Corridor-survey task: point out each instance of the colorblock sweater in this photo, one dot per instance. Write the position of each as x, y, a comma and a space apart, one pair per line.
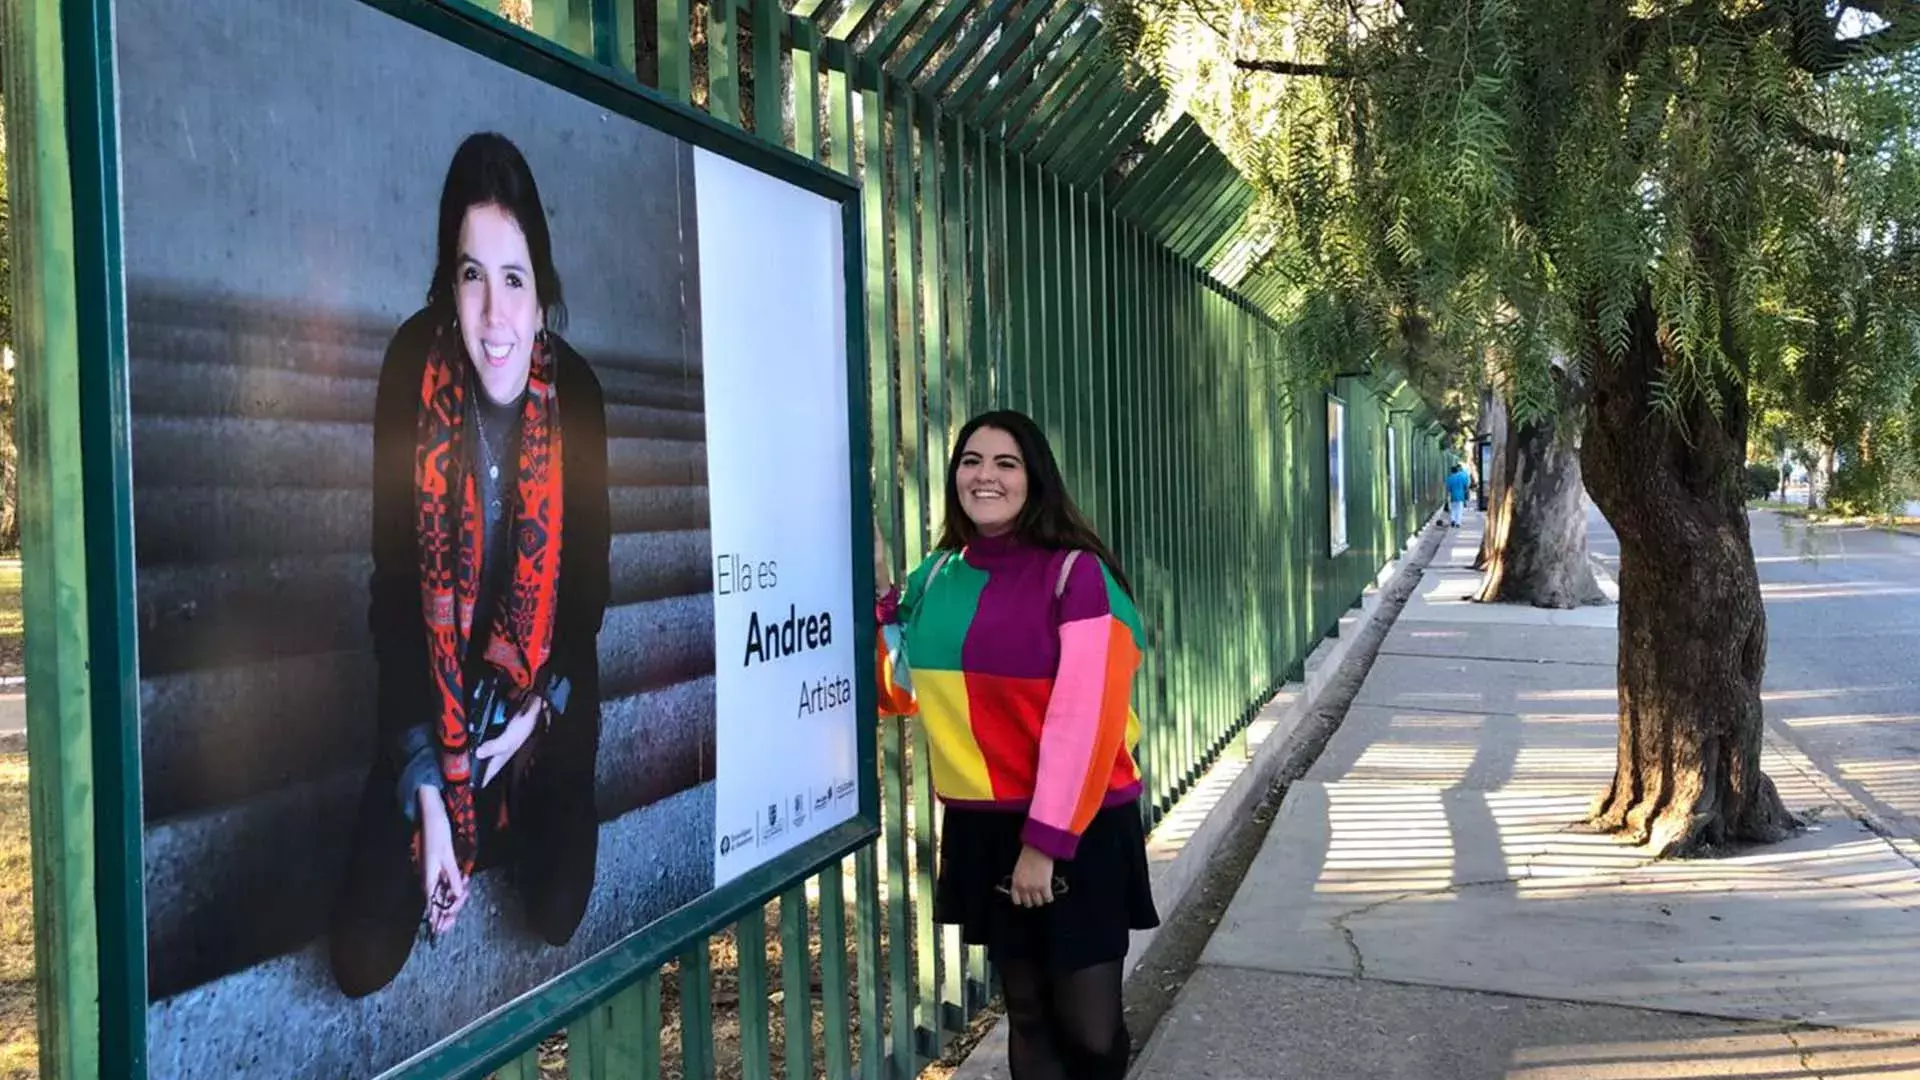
1025, 696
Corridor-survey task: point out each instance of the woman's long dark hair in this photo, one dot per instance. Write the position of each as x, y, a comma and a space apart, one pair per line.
488, 170
1049, 519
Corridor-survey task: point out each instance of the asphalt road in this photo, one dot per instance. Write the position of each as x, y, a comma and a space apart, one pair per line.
1843, 655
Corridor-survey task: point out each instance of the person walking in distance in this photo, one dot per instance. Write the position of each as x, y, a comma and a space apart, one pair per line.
1458, 484
1022, 638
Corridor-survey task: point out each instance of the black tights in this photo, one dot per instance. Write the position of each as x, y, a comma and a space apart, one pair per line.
1064, 1026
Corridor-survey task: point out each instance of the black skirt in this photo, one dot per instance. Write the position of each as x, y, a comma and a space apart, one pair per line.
1108, 893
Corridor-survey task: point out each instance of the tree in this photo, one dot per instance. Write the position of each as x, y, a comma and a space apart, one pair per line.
1846, 375
1635, 184
1535, 548
1360, 304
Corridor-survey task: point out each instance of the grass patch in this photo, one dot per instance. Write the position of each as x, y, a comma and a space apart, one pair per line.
1823, 517
13, 648
19, 1044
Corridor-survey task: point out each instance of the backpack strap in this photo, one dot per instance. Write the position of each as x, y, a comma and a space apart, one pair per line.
934, 570
1066, 568
1059, 587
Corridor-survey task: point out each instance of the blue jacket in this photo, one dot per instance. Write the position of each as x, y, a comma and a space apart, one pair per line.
1458, 484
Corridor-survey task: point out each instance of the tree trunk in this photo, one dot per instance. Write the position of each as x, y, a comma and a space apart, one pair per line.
1493, 482
1535, 551
1693, 631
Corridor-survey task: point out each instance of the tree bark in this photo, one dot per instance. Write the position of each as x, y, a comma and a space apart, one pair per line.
1535, 551
1493, 485
1693, 631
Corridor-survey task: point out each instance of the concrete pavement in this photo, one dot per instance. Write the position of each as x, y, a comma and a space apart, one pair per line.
13, 721
1423, 906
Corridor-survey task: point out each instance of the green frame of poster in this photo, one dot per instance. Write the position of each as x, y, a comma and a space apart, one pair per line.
87, 409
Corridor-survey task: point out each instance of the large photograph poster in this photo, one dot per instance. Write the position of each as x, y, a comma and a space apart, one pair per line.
461, 407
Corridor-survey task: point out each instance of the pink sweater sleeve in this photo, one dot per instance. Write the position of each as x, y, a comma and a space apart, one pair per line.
1086, 719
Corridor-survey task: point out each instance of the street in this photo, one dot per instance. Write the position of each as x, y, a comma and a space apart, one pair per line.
1843, 658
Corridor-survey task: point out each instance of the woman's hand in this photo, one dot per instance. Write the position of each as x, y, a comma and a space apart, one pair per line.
440, 877
493, 757
1033, 878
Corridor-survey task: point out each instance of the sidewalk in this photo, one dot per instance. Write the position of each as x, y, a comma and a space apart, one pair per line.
13, 721
1422, 908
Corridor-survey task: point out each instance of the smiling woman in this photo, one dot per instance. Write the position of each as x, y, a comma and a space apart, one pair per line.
491, 534
1023, 640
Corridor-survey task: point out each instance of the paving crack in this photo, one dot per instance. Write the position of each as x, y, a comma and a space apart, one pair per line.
1358, 959
1806, 1054
1340, 922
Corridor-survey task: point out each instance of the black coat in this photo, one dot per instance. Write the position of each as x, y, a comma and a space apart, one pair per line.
406, 692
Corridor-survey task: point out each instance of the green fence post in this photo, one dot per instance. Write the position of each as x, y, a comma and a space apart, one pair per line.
674, 18
750, 946
796, 983
836, 1016
54, 583
696, 1012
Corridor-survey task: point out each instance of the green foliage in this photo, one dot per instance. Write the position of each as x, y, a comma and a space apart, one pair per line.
1762, 480
1521, 180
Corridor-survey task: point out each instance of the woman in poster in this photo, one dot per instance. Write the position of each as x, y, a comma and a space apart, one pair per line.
491, 530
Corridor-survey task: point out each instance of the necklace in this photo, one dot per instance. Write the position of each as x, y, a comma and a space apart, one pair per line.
486, 444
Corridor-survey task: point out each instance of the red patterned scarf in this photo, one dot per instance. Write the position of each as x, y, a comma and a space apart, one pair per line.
451, 528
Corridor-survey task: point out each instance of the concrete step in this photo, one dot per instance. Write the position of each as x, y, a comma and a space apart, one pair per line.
209, 874
651, 861
638, 404
170, 328
170, 451
205, 524
197, 615
234, 729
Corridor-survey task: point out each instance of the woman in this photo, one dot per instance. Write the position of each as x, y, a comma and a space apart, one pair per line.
490, 543
1023, 639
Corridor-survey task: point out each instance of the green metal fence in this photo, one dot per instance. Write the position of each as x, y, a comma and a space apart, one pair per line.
1028, 246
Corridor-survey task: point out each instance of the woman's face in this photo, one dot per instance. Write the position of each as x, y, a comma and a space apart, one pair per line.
498, 305
992, 481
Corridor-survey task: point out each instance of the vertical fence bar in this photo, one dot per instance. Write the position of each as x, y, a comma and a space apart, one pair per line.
524, 1067
929, 434
587, 1045
904, 235
696, 1012
866, 938
899, 931
750, 942
804, 61
54, 585
835, 988
723, 61
632, 1044
675, 43
796, 984
769, 82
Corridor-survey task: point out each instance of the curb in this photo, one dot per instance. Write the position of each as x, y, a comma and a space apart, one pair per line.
1606, 577
1185, 841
